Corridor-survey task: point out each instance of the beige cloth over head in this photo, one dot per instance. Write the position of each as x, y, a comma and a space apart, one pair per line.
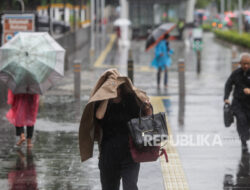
105, 89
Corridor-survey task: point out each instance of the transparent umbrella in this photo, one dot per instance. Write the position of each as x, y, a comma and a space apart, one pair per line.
31, 62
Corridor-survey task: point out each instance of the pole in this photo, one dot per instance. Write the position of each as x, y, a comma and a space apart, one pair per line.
198, 53
92, 48
80, 15
74, 12
49, 16
234, 52
102, 13
235, 64
22, 5
229, 5
240, 16
98, 15
124, 29
181, 72
181, 69
222, 9
77, 87
190, 11
64, 15
130, 66
77, 79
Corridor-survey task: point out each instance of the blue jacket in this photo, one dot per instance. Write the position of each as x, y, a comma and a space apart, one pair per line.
165, 60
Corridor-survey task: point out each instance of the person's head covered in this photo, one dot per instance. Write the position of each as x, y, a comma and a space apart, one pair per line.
245, 61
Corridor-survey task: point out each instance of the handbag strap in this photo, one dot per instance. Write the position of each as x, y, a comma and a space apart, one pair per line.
163, 151
141, 111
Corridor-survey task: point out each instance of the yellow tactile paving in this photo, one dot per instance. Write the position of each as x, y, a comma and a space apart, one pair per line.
101, 58
105, 52
173, 174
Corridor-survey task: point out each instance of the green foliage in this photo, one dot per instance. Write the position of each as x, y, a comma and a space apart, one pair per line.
234, 37
201, 4
207, 27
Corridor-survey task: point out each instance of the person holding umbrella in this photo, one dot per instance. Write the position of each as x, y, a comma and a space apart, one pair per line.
162, 60
159, 38
31, 62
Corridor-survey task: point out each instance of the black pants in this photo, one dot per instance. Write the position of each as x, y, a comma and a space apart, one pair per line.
116, 163
165, 76
20, 130
243, 119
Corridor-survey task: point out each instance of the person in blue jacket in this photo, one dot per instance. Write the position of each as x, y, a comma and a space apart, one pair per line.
162, 60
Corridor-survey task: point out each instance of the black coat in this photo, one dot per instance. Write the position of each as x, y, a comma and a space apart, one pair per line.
240, 80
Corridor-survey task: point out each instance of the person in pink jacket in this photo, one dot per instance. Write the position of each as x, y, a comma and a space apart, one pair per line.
23, 112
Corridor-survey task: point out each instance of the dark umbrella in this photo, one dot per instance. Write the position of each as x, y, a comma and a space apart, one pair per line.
158, 34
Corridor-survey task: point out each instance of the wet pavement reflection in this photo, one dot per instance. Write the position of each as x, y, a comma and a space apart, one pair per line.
23, 175
241, 179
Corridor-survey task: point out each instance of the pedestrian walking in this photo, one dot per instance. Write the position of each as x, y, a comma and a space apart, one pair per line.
23, 112
240, 80
114, 101
162, 60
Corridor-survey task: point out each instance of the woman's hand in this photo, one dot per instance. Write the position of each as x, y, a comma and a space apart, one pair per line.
247, 91
148, 110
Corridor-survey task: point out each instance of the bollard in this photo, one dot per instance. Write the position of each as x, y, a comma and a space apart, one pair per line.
181, 110
77, 79
198, 69
235, 64
181, 69
130, 66
234, 53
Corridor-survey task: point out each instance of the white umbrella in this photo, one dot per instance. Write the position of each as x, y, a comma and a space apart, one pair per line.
31, 62
122, 22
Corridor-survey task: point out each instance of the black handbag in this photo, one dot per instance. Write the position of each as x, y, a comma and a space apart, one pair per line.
228, 115
148, 129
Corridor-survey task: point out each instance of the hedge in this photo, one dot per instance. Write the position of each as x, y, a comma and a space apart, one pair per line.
207, 27
234, 37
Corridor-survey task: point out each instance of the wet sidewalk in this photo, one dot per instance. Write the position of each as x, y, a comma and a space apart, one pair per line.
54, 162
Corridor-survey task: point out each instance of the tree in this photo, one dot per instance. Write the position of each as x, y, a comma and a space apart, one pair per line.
201, 4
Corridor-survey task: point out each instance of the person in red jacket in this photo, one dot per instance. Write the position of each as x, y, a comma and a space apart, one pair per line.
23, 112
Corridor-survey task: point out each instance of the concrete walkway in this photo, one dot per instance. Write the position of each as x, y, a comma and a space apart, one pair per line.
54, 160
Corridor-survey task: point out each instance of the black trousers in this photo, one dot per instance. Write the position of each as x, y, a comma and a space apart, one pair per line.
29, 129
165, 76
242, 114
116, 163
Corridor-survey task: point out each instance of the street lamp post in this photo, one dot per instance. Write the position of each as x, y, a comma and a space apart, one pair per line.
22, 5
222, 9
229, 5
240, 16
92, 4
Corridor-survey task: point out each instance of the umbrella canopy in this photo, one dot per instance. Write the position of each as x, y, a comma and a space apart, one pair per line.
247, 12
230, 14
31, 62
158, 34
122, 22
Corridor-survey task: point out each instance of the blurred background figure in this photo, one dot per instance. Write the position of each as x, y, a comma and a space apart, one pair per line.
240, 79
162, 60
